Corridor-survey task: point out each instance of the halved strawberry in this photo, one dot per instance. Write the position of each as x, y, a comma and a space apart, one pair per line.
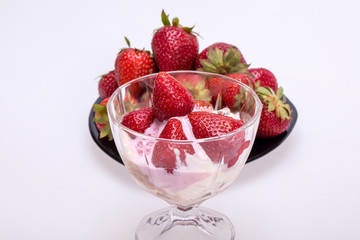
101, 119
163, 154
170, 98
227, 150
139, 120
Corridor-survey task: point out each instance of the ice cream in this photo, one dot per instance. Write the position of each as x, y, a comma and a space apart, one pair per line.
189, 183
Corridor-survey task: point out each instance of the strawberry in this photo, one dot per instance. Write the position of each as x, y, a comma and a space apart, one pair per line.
207, 124
132, 63
139, 120
233, 96
229, 89
276, 115
264, 78
226, 150
244, 145
174, 47
163, 154
196, 84
215, 86
201, 105
101, 119
107, 85
221, 58
170, 98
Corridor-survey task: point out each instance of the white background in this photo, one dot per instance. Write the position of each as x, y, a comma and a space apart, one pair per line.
55, 183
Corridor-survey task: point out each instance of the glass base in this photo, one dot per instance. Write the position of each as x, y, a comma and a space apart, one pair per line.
197, 223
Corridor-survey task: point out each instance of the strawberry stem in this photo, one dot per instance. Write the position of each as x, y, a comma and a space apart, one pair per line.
175, 22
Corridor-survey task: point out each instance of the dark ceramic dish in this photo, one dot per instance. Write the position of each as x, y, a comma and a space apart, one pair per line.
260, 148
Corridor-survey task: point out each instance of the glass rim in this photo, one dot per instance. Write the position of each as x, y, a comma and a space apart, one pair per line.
248, 124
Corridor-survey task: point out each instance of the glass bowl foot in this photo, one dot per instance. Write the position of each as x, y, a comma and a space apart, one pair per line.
196, 223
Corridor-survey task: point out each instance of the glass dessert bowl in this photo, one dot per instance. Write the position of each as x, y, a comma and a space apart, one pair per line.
186, 172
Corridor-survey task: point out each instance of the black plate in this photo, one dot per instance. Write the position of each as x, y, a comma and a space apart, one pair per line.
260, 148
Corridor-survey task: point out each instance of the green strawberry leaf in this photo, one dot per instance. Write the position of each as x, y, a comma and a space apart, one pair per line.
285, 112
284, 99
110, 136
219, 57
201, 85
189, 29
101, 119
212, 56
207, 66
165, 18
105, 131
240, 68
235, 58
279, 92
229, 54
263, 91
99, 109
271, 107
127, 41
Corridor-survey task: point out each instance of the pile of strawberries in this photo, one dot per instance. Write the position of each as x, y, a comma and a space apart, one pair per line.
175, 47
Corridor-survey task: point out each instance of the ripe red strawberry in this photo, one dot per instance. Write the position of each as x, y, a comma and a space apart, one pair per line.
215, 86
264, 77
107, 85
229, 89
201, 105
170, 98
101, 119
225, 150
276, 115
233, 96
139, 120
174, 47
132, 63
240, 141
163, 154
221, 58
205, 124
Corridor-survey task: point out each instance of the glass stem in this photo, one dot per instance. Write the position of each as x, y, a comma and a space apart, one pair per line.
188, 214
